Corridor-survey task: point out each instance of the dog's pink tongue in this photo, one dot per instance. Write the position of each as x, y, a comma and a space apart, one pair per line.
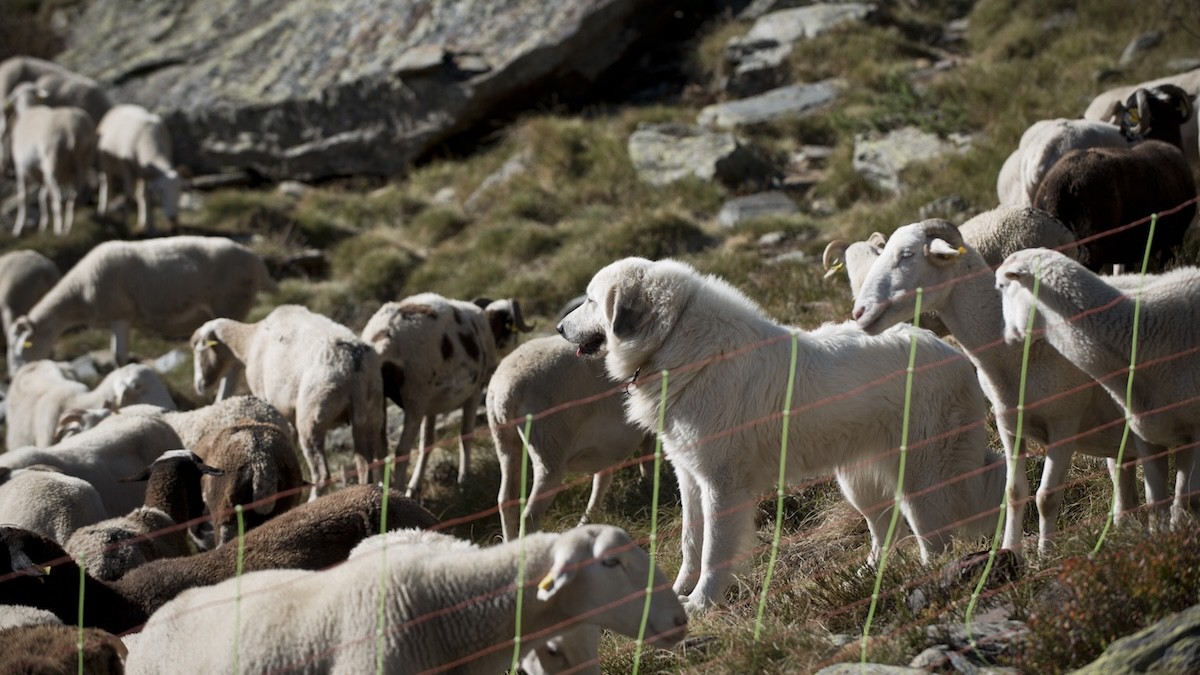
579, 351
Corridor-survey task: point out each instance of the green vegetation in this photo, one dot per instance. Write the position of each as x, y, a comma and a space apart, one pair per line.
577, 204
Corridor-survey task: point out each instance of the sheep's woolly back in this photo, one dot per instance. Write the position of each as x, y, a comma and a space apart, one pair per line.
192, 425
56, 649
47, 501
12, 616
413, 537
1004, 230
112, 547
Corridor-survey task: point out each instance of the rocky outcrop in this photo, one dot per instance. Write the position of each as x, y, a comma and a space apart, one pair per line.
792, 101
665, 153
881, 158
309, 89
1169, 646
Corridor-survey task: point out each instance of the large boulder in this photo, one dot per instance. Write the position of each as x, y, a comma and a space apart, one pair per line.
665, 153
309, 89
1169, 646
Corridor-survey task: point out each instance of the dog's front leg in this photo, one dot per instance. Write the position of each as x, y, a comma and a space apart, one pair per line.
728, 523
693, 530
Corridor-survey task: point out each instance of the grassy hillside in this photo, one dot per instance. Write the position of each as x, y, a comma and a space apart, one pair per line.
579, 205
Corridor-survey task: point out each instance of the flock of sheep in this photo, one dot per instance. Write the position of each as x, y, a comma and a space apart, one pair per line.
172, 519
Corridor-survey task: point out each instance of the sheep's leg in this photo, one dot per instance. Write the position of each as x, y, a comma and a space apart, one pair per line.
874, 501
56, 201
728, 524
22, 193
102, 198
508, 499
428, 426
120, 341
692, 536
404, 446
312, 445
229, 381
469, 411
143, 218
43, 207
601, 481
1124, 489
69, 217
1154, 460
1050, 494
1187, 482
546, 480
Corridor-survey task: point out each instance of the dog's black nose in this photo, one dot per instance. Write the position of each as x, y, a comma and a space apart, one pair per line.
559, 328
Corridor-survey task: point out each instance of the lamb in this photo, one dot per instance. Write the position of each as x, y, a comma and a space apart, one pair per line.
1095, 190
1101, 107
1090, 322
437, 357
1064, 412
589, 433
112, 547
117, 447
54, 146
434, 617
169, 286
135, 151
314, 536
314, 370
574, 650
47, 501
25, 276
63, 88
42, 391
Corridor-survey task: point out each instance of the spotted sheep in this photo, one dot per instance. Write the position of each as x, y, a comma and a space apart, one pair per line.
437, 356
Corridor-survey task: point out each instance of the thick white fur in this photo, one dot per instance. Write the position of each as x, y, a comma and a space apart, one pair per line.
1090, 321
583, 435
727, 386
1064, 410
135, 152
441, 608
49, 502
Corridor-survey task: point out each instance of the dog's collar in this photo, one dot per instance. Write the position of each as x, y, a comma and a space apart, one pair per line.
632, 381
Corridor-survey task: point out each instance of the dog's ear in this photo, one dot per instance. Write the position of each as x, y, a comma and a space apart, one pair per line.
622, 305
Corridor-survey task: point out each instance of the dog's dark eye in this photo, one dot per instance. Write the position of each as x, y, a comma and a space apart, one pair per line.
552, 649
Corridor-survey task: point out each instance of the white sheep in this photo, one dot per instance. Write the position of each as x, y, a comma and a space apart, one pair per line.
1101, 107
157, 529
587, 431
117, 447
135, 152
62, 86
853, 258
168, 286
574, 650
1090, 322
55, 146
1064, 410
444, 609
437, 355
45, 500
42, 391
25, 276
313, 369
1043, 144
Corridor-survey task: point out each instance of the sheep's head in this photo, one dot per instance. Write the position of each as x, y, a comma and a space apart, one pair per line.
74, 421
211, 358
1157, 113
505, 320
25, 345
1017, 279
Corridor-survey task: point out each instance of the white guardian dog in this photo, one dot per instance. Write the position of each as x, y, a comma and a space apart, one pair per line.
728, 377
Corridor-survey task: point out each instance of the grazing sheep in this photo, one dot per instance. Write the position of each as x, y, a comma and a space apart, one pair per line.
54, 146
1041, 146
1095, 190
117, 447
437, 357
314, 370
259, 469
42, 391
169, 286
135, 152
1090, 322
443, 609
574, 650
1101, 107
56, 650
155, 530
313, 536
25, 276
1064, 410
727, 386
63, 88
47, 501
589, 433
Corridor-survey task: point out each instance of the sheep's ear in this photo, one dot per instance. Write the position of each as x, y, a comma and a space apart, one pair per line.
568, 558
878, 240
941, 253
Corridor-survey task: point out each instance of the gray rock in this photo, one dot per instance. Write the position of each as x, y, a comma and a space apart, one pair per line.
512, 167
950, 207
786, 26
1139, 44
758, 8
665, 153
796, 100
307, 89
84, 368
759, 205
1169, 646
756, 67
293, 188
1183, 65
880, 159
856, 668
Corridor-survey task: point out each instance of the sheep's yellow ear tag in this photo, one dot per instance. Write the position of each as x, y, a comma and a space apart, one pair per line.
834, 269
27, 344
546, 582
962, 250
